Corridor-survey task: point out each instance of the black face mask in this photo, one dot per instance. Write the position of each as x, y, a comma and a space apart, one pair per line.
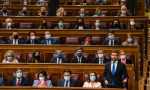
15, 36
80, 23
84, 1
37, 57
25, 12
5, 11
44, 24
43, 13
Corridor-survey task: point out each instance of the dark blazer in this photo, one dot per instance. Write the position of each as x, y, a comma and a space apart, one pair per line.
99, 27
54, 60
53, 41
127, 14
24, 82
19, 41
96, 60
35, 41
73, 83
84, 27
91, 43
116, 42
57, 27
75, 60
11, 27
117, 78
127, 61
8, 14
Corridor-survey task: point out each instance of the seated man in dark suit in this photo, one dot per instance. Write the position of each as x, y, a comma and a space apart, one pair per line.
59, 57
60, 24
101, 58
67, 81
24, 12
123, 58
48, 40
32, 39
111, 40
15, 39
4, 12
19, 80
1, 81
114, 72
9, 24
88, 40
78, 56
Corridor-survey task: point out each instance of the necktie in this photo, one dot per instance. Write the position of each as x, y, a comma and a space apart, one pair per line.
66, 84
100, 61
58, 60
111, 42
18, 83
79, 60
113, 71
14, 41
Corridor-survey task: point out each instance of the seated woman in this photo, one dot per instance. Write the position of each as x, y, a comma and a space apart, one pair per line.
132, 25
92, 81
88, 40
82, 12
80, 24
130, 41
98, 12
69, 2
43, 12
42, 82
115, 24
97, 25
43, 24
10, 57
35, 57
7, 2
123, 58
24, 12
25, 2
61, 12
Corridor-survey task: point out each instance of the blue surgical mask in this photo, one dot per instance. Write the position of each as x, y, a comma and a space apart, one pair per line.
129, 40
48, 36
19, 75
111, 37
66, 78
41, 1
6, 3
97, 24
81, 15
79, 54
99, 12
61, 24
59, 55
9, 58
25, 2
123, 11
92, 78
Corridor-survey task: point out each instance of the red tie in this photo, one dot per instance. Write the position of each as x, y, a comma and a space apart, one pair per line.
18, 84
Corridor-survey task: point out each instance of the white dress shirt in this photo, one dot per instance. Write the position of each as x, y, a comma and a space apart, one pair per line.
59, 60
80, 27
18, 80
96, 84
101, 60
49, 42
15, 40
79, 59
110, 42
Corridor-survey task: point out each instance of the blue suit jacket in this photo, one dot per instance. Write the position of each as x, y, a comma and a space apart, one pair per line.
54, 60
8, 14
19, 41
116, 42
53, 41
117, 78
49, 83
73, 83
24, 82
1, 81
38, 3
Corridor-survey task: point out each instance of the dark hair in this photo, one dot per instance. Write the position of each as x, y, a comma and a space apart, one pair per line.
89, 76
110, 31
4, 6
18, 69
68, 71
112, 25
34, 52
57, 50
82, 21
42, 27
87, 35
79, 48
31, 32
114, 51
42, 72
60, 20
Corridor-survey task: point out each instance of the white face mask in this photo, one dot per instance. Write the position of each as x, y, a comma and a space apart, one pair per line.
41, 79
132, 23
32, 37
100, 55
123, 57
9, 24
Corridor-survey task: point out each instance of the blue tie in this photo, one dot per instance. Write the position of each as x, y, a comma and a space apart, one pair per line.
113, 71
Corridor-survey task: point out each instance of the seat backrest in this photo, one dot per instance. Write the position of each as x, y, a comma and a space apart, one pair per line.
88, 24
72, 40
137, 39
123, 26
2, 38
49, 25
87, 13
67, 25
104, 13
103, 25
97, 40
9, 11
19, 57
26, 25
25, 75
4, 24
